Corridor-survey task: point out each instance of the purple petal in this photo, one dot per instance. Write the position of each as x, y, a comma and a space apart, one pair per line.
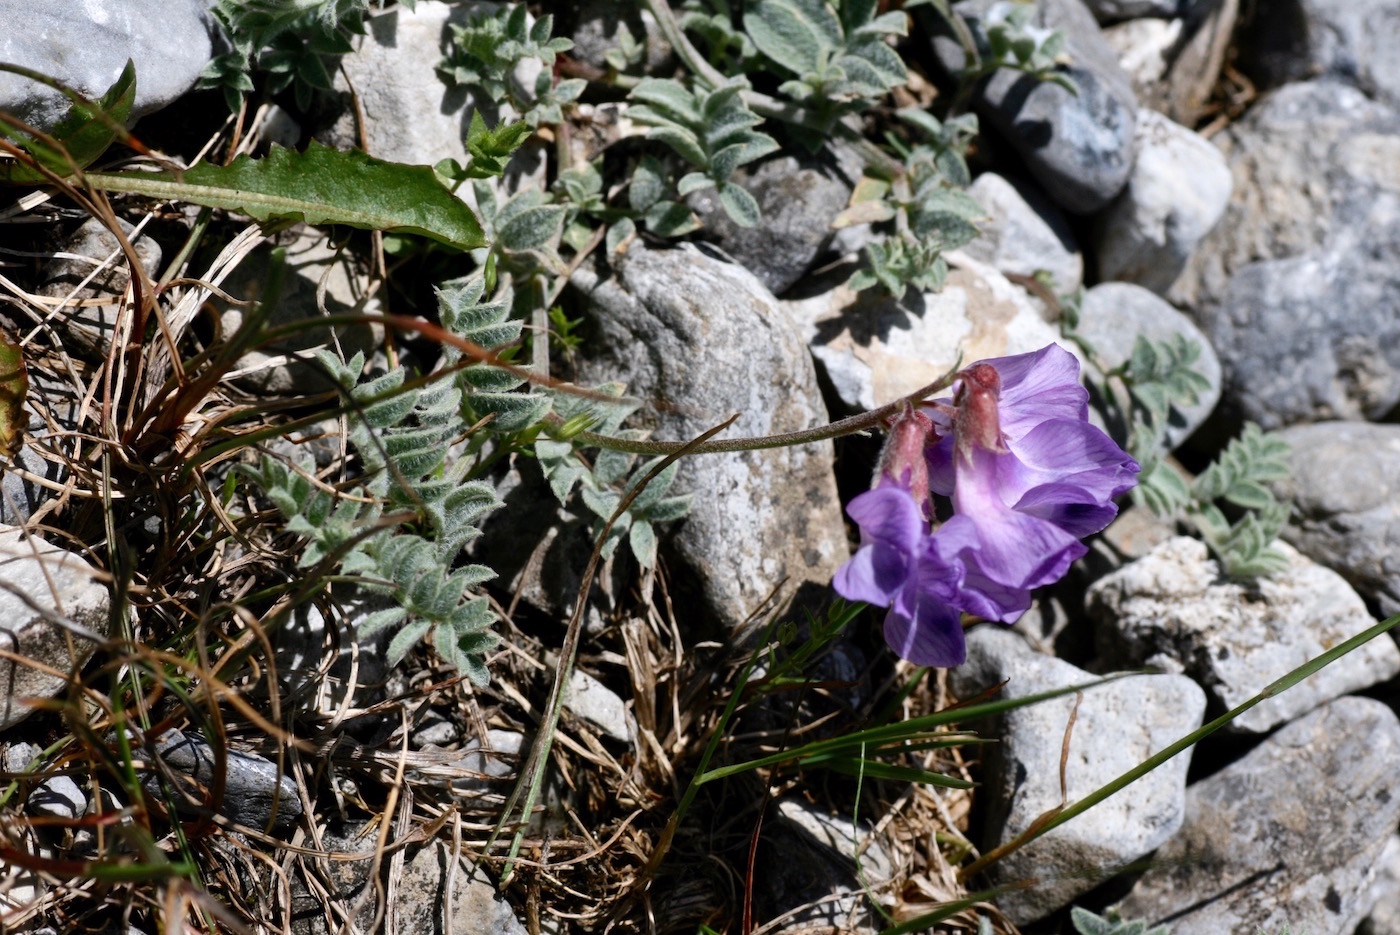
1038, 386
931, 636
875, 575
1068, 507
1064, 452
889, 515
941, 476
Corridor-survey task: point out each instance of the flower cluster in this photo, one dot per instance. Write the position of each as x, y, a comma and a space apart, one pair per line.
1028, 477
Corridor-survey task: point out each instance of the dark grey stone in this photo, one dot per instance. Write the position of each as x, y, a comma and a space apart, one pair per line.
1113, 11
251, 782
595, 27
1297, 286
1117, 725
1351, 40
86, 45
798, 198
1078, 146
702, 339
1345, 488
1286, 837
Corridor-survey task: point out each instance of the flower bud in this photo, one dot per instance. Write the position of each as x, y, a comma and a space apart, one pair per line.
904, 460
975, 420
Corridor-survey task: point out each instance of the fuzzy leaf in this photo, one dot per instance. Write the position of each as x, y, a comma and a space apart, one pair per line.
404, 640
532, 228
318, 186
741, 207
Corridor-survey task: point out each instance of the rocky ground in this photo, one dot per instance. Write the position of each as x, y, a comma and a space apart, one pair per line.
1226, 172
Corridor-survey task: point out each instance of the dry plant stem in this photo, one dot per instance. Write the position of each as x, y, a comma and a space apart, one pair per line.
532, 772
1059, 816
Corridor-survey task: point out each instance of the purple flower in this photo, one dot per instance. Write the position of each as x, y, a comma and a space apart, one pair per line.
1028, 476
896, 567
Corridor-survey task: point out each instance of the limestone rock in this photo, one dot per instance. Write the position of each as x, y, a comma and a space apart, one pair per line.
1116, 727
1113, 314
1235, 638
1296, 286
1025, 233
1351, 40
798, 199
875, 349
1178, 190
1256, 855
1345, 487
1078, 146
701, 339
86, 45
42, 580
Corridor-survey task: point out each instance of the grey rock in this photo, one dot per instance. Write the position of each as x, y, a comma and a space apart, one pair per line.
1296, 285
1235, 638
410, 114
418, 893
19, 498
1384, 894
55, 797
1113, 314
1256, 855
1025, 233
1079, 147
812, 857
86, 45
1137, 531
251, 782
95, 268
498, 758
875, 349
599, 705
1345, 488
1178, 190
436, 731
703, 339
1116, 727
317, 276
1351, 40
1111, 11
41, 581
798, 198
1144, 48
597, 25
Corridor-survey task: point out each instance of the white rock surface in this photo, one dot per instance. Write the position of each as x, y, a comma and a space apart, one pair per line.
1179, 188
1285, 838
1117, 726
1235, 638
1113, 314
599, 705
1024, 233
1384, 894
1144, 48
875, 349
86, 45
410, 114
40, 581
702, 339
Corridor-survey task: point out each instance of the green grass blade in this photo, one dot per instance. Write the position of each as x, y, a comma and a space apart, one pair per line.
319, 186
948, 910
